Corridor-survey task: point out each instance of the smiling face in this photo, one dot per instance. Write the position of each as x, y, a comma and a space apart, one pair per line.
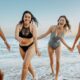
62, 21
27, 18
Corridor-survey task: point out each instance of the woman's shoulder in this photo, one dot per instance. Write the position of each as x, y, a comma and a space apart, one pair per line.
52, 27
19, 26
32, 26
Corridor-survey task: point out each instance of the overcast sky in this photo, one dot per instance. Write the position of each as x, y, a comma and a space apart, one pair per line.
46, 11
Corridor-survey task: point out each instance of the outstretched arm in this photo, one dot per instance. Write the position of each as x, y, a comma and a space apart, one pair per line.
4, 39
63, 41
2, 35
77, 37
46, 33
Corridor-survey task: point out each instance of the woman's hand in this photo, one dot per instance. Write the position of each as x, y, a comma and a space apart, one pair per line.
70, 49
23, 41
8, 46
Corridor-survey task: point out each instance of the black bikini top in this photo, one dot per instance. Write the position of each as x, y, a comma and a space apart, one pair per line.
25, 33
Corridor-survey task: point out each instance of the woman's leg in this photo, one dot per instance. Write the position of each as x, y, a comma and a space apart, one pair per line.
51, 53
26, 64
58, 53
22, 53
30, 66
78, 46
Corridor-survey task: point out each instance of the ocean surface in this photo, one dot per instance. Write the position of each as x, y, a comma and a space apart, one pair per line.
11, 62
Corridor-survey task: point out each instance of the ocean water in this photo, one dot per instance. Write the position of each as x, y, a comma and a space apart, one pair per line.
11, 62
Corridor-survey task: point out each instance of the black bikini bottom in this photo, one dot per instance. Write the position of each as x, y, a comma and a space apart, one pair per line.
25, 48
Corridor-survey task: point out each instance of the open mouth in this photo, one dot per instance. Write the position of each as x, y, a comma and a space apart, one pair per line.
61, 23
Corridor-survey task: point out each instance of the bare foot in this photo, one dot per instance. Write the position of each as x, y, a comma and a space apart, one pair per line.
35, 77
56, 78
52, 74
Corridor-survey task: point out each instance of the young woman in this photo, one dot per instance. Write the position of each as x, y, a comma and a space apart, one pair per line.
4, 39
57, 32
26, 35
76, 39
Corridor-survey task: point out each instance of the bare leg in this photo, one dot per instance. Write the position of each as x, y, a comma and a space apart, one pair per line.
25, 67
30, 66
58, 53
78, 46
51, 52
27, 60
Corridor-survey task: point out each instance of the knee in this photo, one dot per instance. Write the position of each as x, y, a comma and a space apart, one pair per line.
25, 65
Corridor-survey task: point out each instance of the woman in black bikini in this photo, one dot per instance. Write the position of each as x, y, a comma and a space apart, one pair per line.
26, 35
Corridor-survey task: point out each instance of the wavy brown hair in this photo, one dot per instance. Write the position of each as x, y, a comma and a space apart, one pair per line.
67, 22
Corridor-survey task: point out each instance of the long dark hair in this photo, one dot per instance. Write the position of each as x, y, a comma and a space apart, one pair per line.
67, 22
33, 18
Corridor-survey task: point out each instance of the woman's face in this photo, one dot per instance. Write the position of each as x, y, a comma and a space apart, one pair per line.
27, 18
62, 21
